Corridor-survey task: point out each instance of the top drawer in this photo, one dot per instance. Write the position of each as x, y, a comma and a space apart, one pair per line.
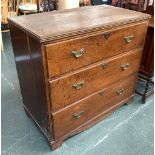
69, 55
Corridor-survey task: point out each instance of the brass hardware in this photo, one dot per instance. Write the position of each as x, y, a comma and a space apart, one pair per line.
78, 85
125, 66
78, 115
106, 35
79, 53
104, 66
120, 91
101, 93
128, 39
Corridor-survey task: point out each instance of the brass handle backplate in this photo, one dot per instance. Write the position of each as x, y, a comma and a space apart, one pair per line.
78, 85
79, 53
120, 91
128, 39
78, 115
125, 66
104, 66
106, 35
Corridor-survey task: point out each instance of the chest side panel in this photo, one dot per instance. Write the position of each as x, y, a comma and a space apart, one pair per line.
28, 58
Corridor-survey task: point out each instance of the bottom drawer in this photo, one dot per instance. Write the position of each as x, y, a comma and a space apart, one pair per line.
71, 117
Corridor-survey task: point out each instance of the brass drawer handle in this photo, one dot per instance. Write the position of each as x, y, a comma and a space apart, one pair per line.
78, 85
79, 53
125, 66
120, 91
78, 115
101, 93
128, 39
104, 66
106, 35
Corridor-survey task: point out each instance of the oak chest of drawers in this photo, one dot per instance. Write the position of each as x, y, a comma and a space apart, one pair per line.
75, 67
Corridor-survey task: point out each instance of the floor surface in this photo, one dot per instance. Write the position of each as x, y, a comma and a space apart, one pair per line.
128, 131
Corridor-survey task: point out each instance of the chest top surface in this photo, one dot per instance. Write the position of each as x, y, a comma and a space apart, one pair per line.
59, 24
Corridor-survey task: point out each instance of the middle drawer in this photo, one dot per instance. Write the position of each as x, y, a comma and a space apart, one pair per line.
79, 84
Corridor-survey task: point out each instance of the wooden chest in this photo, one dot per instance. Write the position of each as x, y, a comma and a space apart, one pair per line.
75, 67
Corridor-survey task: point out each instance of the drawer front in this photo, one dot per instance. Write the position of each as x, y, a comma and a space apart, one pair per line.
70, 55
82, 111
71, 88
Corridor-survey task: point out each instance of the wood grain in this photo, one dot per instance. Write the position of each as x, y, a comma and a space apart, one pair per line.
55, 85
60, 59
28, 58
95, 77
66, 23
99, 104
